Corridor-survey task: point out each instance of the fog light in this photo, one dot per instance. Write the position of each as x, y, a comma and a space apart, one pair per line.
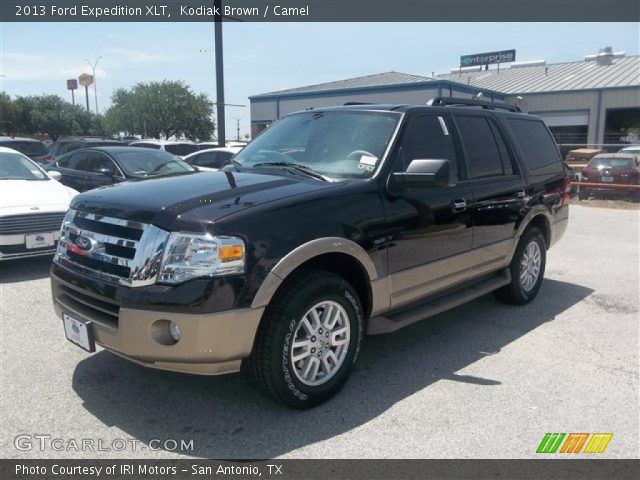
174, 330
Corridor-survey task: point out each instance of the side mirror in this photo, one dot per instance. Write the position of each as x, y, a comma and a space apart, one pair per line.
106, 171
55, 175
425, 173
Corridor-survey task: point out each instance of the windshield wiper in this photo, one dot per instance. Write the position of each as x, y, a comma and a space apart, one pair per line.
297, 167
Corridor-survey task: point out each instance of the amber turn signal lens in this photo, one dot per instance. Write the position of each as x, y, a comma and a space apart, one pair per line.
230, 253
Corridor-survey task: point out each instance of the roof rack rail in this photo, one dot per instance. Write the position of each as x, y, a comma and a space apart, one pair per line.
356, 103
467, 102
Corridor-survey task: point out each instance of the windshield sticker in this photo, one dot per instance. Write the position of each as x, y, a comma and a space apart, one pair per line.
367, 163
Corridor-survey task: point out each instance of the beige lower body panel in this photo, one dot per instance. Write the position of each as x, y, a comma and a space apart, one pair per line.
210, 344
415, 283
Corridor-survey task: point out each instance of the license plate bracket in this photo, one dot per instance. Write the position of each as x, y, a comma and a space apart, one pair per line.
79, 332
39, 240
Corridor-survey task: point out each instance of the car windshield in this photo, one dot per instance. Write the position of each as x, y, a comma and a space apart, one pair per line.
340, 144
144, 162
600, 163
14, 166
30, 149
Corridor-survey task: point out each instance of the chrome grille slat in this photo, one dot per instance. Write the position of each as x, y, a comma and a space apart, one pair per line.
111, 255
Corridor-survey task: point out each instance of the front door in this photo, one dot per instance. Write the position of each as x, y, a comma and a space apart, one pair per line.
429, 228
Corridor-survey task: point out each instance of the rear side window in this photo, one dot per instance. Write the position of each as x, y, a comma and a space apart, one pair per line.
30, 149
427, 137
480, 147
537, 145
154, 146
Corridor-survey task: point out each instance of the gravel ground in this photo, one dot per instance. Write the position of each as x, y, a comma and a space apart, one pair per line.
484, 380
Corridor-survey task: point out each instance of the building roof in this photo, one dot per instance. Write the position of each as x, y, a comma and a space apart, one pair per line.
376, 80
581, 75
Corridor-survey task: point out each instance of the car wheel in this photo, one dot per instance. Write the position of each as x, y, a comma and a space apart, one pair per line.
308, 340
527, 269
583, 194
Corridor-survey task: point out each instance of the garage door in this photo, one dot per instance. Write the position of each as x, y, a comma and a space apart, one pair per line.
564, 118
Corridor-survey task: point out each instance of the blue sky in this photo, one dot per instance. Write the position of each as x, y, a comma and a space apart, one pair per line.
261, 57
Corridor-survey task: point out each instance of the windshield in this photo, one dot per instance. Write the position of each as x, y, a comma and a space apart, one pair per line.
14, 166
151, 162
344, 144
30, 149
614, 163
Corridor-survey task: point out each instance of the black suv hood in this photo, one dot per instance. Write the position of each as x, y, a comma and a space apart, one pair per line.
190, 202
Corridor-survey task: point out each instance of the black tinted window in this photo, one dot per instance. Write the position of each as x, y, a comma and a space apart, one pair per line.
223, 159
207, 159
507, 163
181, 149
73, 161
30, 149
99, 163
480, 147
537, 145
69, 147
428, 137
154, 146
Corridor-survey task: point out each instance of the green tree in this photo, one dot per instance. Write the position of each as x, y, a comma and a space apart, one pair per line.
8, 115
156, 108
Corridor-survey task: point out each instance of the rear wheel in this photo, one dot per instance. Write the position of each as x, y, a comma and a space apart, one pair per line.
308, 340
527, 269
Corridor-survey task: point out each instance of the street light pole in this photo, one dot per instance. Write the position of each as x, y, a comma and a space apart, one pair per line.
95, 87
217, 22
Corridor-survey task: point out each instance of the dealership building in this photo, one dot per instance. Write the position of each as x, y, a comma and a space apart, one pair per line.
595, 100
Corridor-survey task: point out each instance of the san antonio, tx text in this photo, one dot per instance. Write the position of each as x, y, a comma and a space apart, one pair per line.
71, 471
204, 11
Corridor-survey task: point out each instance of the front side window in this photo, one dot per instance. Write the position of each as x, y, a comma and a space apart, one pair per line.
30, 149
74, 161
428, 137
14, 166
480, 147
206, 159
99, 163
150, 162
338, 144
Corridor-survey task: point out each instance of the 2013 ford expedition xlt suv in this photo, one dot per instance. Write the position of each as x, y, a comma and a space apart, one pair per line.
334, 224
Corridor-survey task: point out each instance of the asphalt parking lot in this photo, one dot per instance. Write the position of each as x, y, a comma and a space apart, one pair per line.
485, 380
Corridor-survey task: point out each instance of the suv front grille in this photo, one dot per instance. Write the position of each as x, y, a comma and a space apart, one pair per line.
112, 249
31, 223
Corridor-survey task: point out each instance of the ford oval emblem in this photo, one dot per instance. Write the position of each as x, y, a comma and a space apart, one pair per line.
84, 243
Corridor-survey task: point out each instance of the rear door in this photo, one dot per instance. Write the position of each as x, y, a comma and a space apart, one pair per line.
499, 189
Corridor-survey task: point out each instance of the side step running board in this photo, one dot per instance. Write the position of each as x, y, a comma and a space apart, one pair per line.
396, 321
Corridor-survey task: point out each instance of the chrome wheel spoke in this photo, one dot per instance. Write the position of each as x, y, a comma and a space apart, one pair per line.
320, 343
530, 265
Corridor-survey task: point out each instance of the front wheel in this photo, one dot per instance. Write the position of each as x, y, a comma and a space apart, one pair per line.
308, 340
527, 269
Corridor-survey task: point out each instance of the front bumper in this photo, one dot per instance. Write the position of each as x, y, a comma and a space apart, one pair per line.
210, 343
14, 247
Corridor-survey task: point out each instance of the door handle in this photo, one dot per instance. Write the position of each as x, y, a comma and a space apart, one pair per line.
459, 205
520, 194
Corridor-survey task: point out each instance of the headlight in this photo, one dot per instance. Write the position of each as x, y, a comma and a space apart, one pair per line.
188, 256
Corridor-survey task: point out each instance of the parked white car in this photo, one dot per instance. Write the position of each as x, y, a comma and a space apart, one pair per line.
32, 207
212, 159
182, 148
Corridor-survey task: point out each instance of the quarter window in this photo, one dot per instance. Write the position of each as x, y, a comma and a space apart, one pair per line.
480, 147
537, 145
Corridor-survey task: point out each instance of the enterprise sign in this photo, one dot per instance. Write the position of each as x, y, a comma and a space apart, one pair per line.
503, 56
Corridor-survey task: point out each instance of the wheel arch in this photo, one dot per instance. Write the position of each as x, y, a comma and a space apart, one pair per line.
339, 255
541, 219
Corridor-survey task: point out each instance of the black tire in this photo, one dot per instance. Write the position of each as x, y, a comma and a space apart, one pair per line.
269, 365
514, 293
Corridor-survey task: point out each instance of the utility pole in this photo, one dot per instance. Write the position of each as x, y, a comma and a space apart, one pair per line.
237, 129
217, 22
95, 87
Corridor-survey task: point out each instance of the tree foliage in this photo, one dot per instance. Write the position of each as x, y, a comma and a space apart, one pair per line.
48, 115
160, 108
